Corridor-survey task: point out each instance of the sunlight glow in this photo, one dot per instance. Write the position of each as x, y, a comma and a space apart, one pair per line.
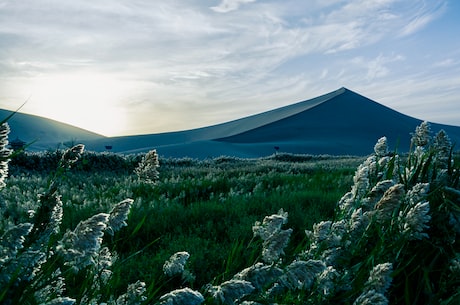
87, 100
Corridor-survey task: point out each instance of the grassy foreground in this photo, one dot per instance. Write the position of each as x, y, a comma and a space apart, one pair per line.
198, 232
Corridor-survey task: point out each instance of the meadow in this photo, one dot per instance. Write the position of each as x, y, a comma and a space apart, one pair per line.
100, 228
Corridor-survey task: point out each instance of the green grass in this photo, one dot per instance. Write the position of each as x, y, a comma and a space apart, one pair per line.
386, 241
205, 209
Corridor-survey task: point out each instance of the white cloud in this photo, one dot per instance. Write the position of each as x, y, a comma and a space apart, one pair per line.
229, 5
182, 52
423, 16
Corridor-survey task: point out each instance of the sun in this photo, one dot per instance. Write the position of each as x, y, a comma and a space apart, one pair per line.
87, 100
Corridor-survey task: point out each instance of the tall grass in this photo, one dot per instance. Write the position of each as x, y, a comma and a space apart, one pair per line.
392, 238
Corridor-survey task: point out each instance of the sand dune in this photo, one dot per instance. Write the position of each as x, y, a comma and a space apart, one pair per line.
341, 122
338, 123
44, 133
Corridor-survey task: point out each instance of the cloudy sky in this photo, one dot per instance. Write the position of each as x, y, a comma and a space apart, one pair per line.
124, 67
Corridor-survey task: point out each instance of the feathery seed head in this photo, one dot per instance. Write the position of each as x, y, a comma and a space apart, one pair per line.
390, 201
415, 221
184, 296
381, 147
418, 193
301, 274
273, 247
134, 294
12, 240
147, 169
371, 297
422, 137
176, 264
259, 275
380, 278
326, 280
321, 230
61, 301
361, 181
443, 146
230, 291
72, 155
118, 216
270, 225
81, 245
5, 153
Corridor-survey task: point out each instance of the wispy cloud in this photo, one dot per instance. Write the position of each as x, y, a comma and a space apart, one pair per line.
170, 55
423, 15
229, 5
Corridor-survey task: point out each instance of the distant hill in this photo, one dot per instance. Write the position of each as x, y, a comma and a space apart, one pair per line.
345, 123
341, 122
44, 133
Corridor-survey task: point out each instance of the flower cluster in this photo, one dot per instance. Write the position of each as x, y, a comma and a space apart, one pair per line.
29, 252
388, 242
275, 239
147, 169
385, 224
5, 153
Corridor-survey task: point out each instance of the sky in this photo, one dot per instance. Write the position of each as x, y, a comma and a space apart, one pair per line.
125, 67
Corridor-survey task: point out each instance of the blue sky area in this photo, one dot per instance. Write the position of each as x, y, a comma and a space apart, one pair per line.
123, 67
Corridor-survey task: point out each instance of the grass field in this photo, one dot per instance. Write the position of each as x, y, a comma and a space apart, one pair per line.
286, 229
206, 208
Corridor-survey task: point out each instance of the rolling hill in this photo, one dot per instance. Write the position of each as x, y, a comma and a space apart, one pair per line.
341, 122
44, 133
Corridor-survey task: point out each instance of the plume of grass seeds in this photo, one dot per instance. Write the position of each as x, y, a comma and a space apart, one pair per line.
119, 215
80, 246
184, 296
230, 291
5, 153
147, 169
176, 264
275, 239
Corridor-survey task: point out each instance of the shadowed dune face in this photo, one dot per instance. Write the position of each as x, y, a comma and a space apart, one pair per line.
348, 123
341, 122
44, 133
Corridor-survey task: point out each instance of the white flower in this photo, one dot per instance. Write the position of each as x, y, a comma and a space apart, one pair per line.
5, 153
390, 202
418, 193
301, 274
275, 239
378, 190
184, 296
380, 278
259, 275
81, 245
371, 297
415, 221
321, 230
231, 291
118, 216
326, 280
274, 246
421, 137
176, 263
443, 146
12, 240
347, 201
147, 169
134, 294
361, 181
381, 147
72, 155
270, 225
61, 301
